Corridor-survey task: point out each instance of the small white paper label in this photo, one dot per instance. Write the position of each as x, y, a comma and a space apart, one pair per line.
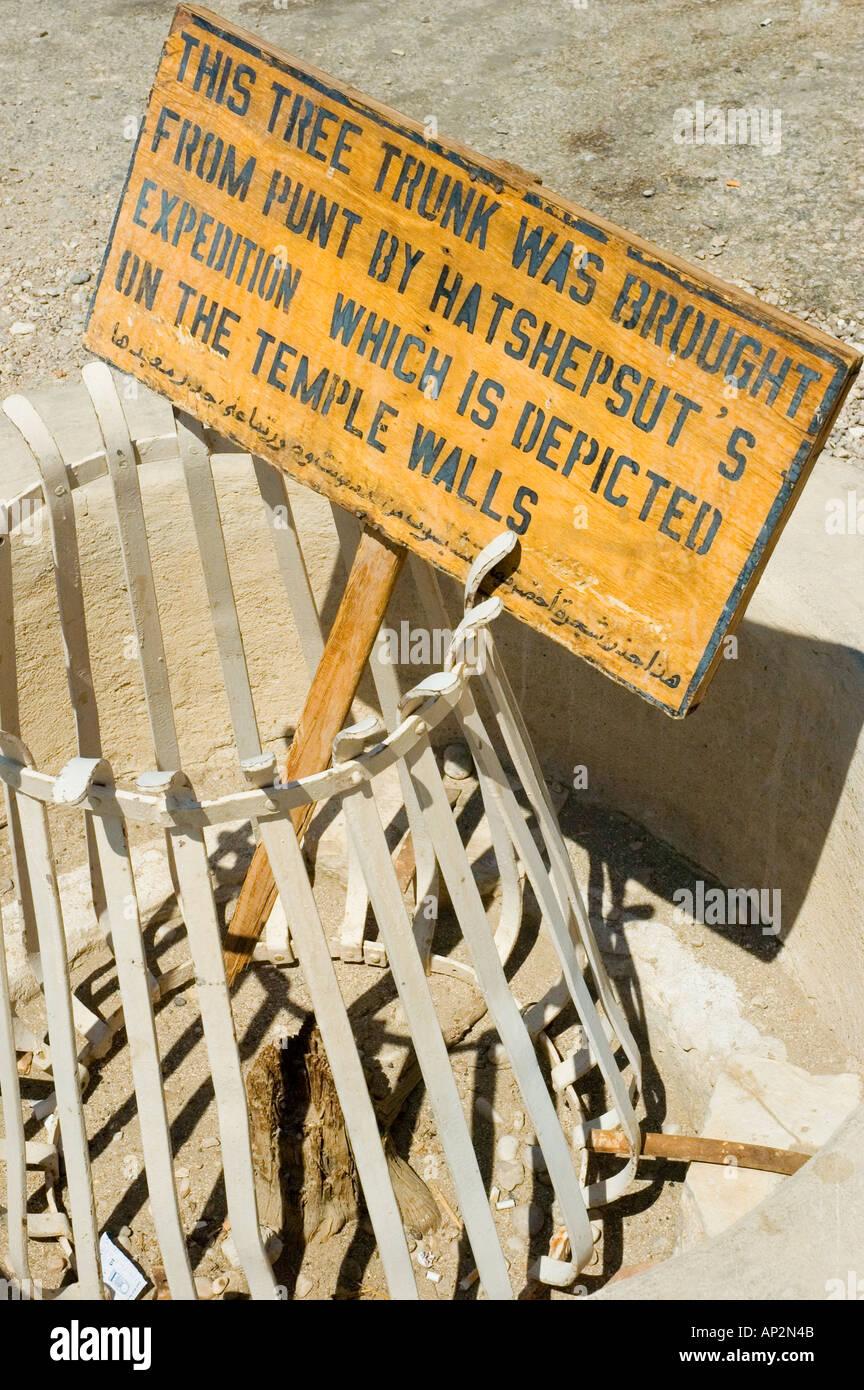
123, 1277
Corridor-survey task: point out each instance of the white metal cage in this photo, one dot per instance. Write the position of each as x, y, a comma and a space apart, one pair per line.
37, 1134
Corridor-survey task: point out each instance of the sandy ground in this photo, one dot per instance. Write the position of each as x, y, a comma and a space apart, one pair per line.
586, 95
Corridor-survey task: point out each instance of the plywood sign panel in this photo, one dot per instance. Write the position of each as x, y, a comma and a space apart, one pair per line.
447, 349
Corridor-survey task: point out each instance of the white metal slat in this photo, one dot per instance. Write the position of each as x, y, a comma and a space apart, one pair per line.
511, 878
560, 899
14, 1153
353, 928
20, 870
134, 978
202, 926
206, 518
387, 689
207, 521
204, 505
10, 721
520, 748
122, 470
73, 630
71, 787
60, 510
140, 586
61, 1029
510, 917
409, 975
468, 906
273, 487
289, 556
553, 917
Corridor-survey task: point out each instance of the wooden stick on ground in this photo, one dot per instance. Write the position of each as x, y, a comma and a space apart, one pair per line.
686, 1148
370, 585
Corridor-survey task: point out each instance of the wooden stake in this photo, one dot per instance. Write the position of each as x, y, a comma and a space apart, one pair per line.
373, 577
686, 1148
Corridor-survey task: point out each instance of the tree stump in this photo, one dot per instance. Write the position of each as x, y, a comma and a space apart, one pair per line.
306, 1178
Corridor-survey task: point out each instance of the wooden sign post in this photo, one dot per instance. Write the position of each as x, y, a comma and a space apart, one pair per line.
446, 349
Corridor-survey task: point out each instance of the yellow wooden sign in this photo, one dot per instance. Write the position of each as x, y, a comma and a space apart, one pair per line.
447, 349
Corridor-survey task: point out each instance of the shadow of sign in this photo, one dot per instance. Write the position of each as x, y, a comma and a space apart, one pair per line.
751, 788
